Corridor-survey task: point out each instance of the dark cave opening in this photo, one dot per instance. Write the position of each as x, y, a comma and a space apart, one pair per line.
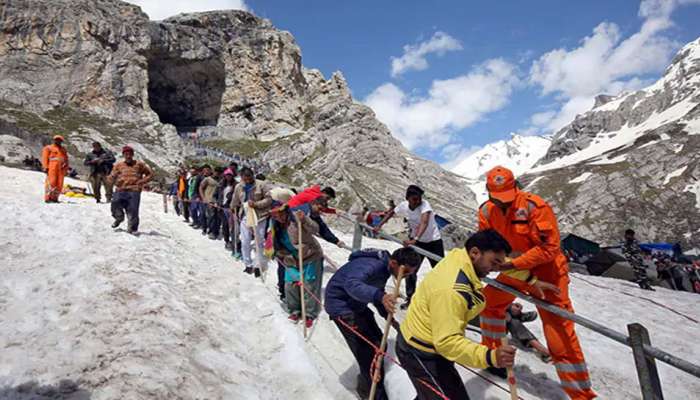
186, 93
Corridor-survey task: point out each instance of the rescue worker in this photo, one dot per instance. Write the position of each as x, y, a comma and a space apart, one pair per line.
54, 161
361, 281
530, 226
100, 162
129, 177
431, 337
633, 254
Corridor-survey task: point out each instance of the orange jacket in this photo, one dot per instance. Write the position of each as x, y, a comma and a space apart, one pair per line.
54, 156
530, 227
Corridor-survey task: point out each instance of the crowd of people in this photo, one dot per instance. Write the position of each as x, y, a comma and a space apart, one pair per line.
260, 223
517, 236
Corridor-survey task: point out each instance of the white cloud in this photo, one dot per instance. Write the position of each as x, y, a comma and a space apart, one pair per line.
413, 57
450, 105
454, 153
605, 62
158, 10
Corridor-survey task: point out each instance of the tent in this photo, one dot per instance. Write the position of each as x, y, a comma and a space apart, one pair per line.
579, 245
602, 261
611, 264
441, 221
666, 248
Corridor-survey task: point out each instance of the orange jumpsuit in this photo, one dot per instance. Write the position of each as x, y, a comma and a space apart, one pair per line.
530, 227
54, 159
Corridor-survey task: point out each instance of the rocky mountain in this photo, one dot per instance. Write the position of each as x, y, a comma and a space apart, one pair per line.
519, 153
100, 70
633, 161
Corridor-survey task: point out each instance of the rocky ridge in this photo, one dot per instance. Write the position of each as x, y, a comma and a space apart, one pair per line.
100, 70
632, 161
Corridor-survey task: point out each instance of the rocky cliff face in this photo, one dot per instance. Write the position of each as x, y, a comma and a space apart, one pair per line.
100, 70
632, 161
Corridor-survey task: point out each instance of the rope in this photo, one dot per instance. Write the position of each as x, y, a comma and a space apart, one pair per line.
378, 353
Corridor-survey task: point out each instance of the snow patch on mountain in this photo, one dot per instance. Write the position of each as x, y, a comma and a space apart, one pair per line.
581, 178
519, 153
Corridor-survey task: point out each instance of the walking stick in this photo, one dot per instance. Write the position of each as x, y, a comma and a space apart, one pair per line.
511, 376
301, 278
382, 346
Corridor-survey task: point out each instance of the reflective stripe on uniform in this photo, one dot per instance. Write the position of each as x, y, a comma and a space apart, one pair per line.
493, 321
492, 335
485, 210
561, 367
584, 384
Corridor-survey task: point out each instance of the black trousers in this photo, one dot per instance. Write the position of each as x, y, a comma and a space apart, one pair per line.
433, 369
364, 323
280, 278
435, 247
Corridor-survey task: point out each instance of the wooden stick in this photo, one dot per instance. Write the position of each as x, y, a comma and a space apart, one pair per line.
382, 346
301, 277
511, 376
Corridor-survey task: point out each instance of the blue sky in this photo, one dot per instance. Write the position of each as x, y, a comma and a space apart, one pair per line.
469, 73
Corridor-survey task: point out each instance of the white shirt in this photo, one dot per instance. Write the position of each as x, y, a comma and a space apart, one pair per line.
431, 233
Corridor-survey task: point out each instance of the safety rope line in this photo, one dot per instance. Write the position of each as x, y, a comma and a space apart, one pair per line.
378, 352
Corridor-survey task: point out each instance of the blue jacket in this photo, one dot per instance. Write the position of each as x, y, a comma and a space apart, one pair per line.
359, 282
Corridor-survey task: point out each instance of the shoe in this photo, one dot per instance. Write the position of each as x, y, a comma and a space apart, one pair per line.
204, 233
293, 318
257, 272
98, 201
248, 270
228, 246
116, 223
132, 231
195, 226
499, 372
212, 237
282, 297
236, 256
309, 322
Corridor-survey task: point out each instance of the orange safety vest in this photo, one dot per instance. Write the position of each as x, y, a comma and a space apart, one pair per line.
530, 226
53, 156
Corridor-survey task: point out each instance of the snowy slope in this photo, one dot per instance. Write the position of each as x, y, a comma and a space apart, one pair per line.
519, 153
170, 315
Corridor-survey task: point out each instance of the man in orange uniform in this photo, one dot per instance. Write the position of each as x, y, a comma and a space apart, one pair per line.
54, 160
530, 226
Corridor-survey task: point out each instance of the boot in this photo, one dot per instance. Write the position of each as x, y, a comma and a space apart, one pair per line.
117, 223
248, 270
257, 272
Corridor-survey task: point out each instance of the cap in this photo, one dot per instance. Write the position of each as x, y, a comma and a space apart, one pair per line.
500, 183
228, 172
59, 137
126, 149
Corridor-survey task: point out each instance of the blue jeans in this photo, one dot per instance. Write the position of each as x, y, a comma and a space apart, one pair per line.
127, 202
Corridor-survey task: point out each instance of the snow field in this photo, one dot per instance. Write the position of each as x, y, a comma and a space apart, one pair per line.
170, 315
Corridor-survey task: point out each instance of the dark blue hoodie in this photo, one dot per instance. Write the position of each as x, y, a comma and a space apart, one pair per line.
359, 282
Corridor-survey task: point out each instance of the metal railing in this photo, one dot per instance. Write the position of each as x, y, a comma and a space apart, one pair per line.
638, 339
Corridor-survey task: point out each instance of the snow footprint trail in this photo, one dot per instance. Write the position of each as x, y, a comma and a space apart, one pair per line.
166, 315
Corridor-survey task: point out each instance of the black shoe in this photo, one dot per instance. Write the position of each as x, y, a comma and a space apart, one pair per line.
257, 272
499, 372
195, 226
248, 270
117, 223
98, 201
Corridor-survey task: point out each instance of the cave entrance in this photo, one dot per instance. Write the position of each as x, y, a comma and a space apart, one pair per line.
186, 93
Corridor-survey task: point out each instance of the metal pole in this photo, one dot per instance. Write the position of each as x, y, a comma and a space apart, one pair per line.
621, 338
646, 366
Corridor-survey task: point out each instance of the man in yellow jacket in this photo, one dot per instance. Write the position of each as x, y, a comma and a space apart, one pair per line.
431, 338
